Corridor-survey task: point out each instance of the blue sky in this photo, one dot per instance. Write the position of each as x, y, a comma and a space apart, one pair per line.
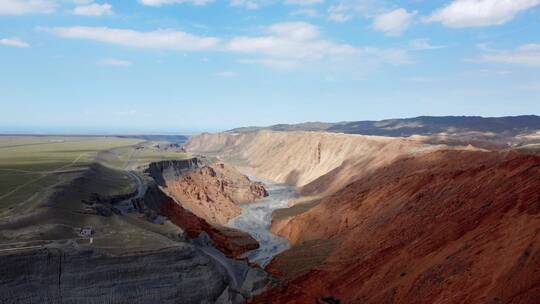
202, 65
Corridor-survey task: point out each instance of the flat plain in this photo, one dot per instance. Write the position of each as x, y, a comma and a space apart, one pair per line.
47, 179
30, 165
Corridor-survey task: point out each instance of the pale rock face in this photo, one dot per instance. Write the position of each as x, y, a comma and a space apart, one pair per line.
305, 159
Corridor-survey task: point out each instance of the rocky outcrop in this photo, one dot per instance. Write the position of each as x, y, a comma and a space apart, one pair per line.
445, 227
167, 170
303, 158
214, 192
231, 242
200, 197
183, 273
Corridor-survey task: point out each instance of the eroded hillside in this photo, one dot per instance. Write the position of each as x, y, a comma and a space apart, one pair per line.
445, 227
213, 194
301, 158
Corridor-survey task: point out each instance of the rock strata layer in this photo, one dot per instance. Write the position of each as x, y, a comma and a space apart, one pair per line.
174, 275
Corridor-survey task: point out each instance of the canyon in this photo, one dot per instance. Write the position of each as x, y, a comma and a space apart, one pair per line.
395, 220
266, 216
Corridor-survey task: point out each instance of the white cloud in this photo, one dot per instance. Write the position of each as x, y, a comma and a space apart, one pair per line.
345, 10
475, 13
226, 74
339, 13
114, 62
82, 2
393, 23
338, 17
275, 64
159, 39
93, 9
423, 44
247, 4
168, 2
14, 42
485, 72
23, 7
294, 40
528, 55
306, 12
282, 45
295, 30
385, 17
289, 45
303, 2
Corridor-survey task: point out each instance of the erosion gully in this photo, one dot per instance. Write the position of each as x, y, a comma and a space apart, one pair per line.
256, 219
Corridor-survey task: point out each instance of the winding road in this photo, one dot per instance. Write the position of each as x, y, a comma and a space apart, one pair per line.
141, 186
223, 261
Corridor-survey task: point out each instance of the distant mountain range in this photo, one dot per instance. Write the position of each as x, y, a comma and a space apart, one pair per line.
177, 139
423, 125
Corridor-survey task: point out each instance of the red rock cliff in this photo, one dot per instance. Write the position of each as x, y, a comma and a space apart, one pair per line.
445, 227
214, 192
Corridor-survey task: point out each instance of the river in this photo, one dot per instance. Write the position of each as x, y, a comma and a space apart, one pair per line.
256, 219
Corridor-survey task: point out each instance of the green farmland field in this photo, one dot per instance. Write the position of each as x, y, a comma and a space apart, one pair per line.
29, 165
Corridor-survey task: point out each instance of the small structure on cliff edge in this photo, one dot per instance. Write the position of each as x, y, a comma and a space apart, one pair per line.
87, 231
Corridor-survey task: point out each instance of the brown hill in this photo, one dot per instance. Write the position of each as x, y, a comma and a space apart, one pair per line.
444, 227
